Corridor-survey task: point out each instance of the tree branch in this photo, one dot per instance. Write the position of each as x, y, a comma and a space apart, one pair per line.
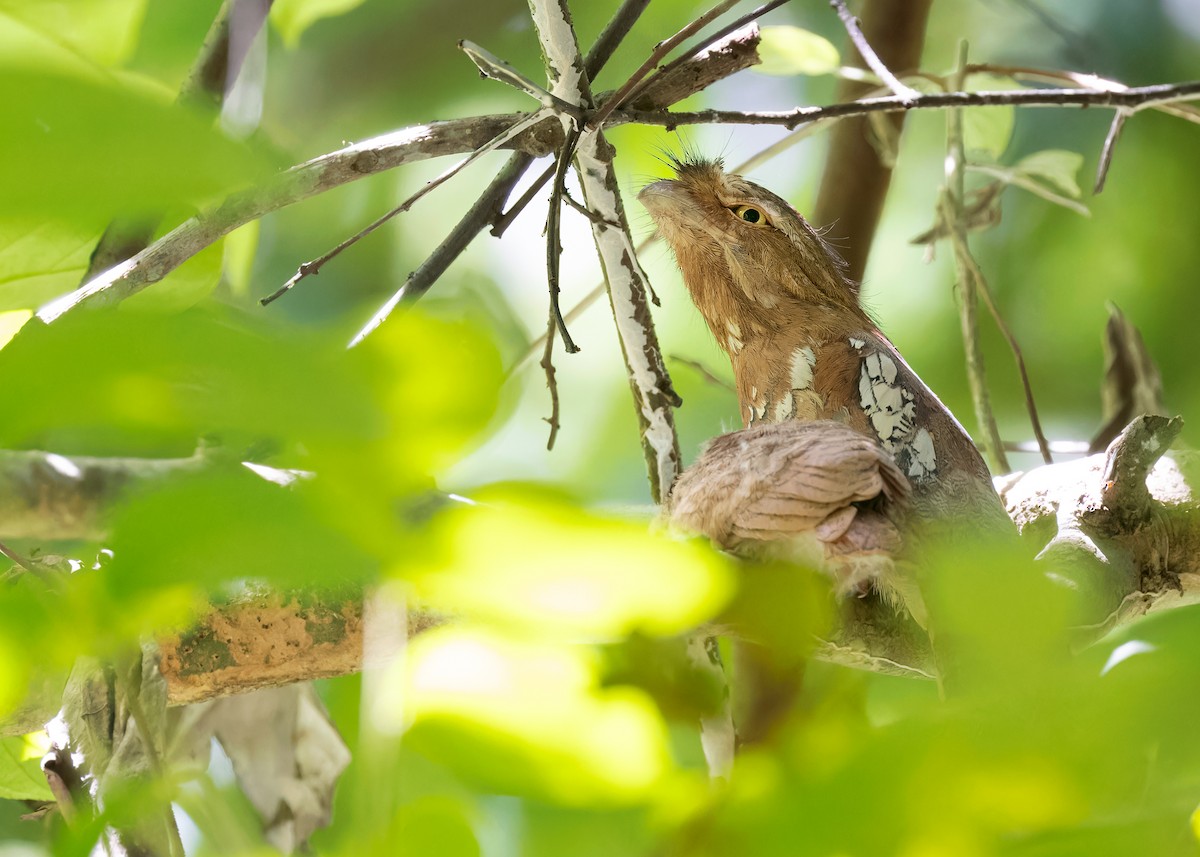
370, 157
1136, 97
654, 396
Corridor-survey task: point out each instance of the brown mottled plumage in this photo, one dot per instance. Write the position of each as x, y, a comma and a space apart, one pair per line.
847, 458
802, 347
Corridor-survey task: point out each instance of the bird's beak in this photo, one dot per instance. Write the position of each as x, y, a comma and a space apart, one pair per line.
662, 197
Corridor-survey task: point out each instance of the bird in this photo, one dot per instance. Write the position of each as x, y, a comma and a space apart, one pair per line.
802, 347
814, 493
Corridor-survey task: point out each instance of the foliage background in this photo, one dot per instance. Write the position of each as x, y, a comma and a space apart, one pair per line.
1045, 761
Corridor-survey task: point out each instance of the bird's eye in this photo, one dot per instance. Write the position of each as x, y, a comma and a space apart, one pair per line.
750, 214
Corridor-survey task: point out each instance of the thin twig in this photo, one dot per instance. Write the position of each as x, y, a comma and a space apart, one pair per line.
952, 214
503, 221
553, 236
660, 51
491, 66
1137, 98
312, 268
612, 35
1085, 81
598, 292
694, 51
11, 554
593, 216
979, 281
551, 381
487, 209
1110, 144
905, 93
478, 216
703, 371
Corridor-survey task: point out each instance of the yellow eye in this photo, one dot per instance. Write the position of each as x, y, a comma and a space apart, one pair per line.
751, 214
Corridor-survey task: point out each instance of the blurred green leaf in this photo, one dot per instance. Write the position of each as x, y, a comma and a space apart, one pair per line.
788, 50
224, 525
529, 718
185, 376
433, 825
41, 259
293, 17
105, 31
21, 775
1058, 167
548, 568
241, 247
75, 149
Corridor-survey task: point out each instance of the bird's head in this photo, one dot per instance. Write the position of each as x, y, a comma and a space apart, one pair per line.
741, 247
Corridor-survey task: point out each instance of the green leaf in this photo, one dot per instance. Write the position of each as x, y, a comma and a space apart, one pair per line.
548, 568
788, 50
525, 718
1057, 167
82, 151
226, 524
183, 376
292, 17
105, 31
241, 246
41, 259
20, 771
987, 130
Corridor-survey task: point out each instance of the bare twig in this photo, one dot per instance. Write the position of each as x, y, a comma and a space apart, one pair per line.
979, 282
654, 396
1084, 81
478, 216
636, 94
312, 268
660, 51
1110, 145
553, 238
905, 93
11, 554
703, 371
491, 66
1136, 97
503, 221
952, 214
487, 209
551, 381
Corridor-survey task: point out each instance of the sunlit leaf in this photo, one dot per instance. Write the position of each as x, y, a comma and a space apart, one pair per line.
547, 567
1057, 167
21, 775
293, 17
530, 719
41, 259
787, 50
105, 31
11, 322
